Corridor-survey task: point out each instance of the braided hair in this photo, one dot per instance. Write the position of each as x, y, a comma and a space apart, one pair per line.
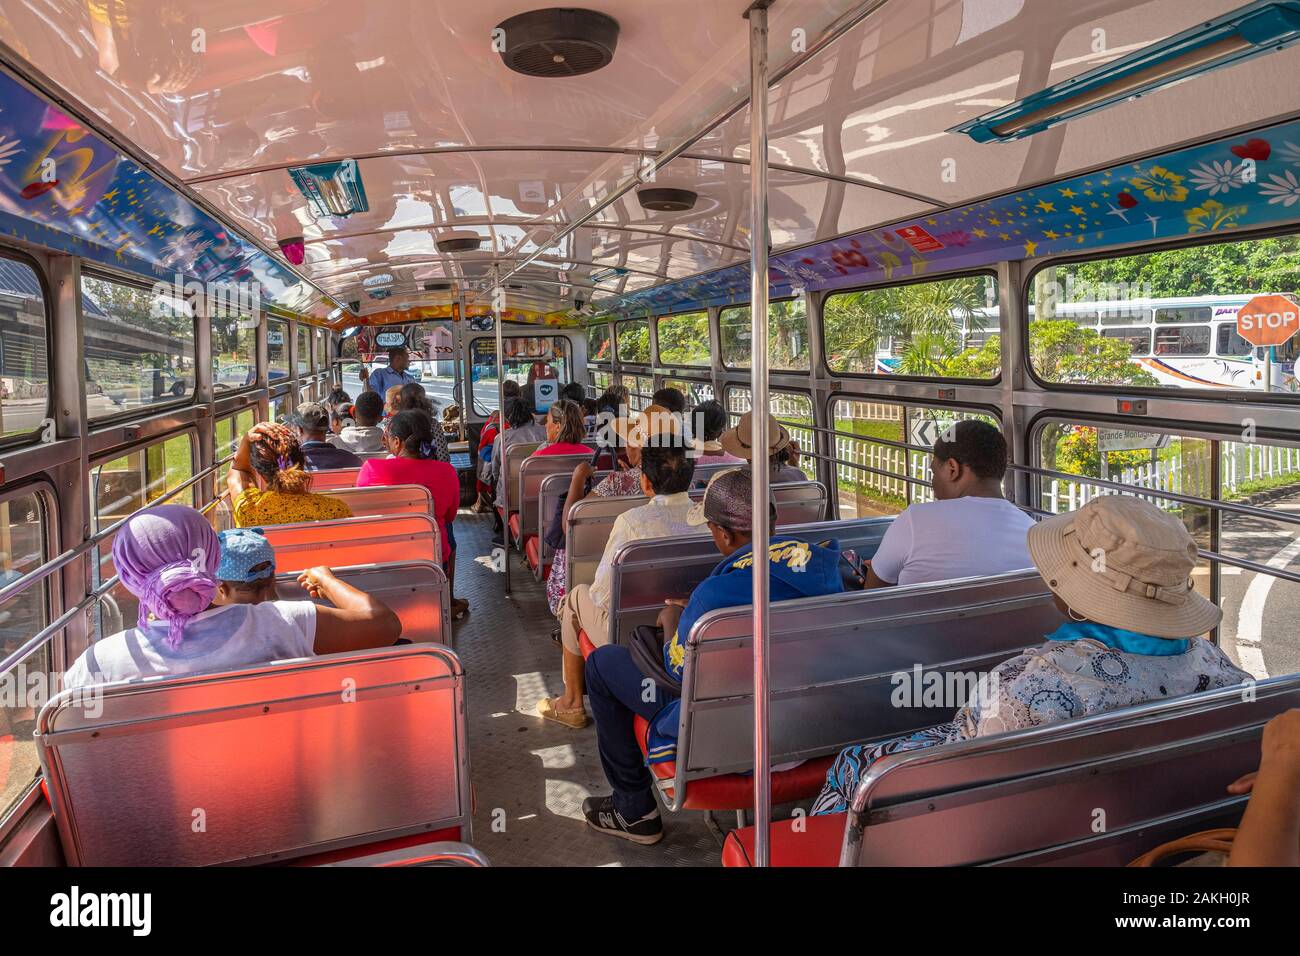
278, 458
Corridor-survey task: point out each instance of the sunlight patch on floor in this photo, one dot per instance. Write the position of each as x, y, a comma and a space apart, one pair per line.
564, 799
562, 757
529, 689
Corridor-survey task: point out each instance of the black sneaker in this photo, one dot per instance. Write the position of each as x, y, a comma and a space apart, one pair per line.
602, 817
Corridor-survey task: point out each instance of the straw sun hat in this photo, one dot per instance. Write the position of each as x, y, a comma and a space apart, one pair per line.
653, 425
1123, 562
737, 441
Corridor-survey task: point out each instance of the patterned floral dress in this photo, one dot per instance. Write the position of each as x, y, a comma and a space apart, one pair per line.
617, 484
1060, 680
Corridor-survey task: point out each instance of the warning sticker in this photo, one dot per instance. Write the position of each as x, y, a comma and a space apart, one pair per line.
918, 239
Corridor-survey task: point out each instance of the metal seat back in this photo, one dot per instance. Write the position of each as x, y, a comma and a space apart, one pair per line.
348, 542
416, 591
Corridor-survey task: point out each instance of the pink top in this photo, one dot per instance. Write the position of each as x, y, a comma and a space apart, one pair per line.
438, 476
565, 448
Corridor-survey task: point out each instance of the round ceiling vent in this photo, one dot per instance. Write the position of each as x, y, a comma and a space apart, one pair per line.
558, 42
460, 242
666, 200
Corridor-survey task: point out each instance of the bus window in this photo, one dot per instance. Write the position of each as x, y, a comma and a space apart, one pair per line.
640, 389
1184, 314
1183, 340
1139, 340
279, 409
24, 546
1125, 314
683, 339
527, 358
1228, 342
886, 490
234, 352
139, 347
598, 344
277, 350
787, 336
694, 391
601, 379
322, 350
633, 342
24, 369
791, 409
229, 430
924, 319
304, 350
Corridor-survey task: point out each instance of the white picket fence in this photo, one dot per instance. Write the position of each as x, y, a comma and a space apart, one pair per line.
1239, 464
897, 461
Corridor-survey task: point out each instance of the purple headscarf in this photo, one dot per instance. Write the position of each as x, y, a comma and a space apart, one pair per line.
167, 557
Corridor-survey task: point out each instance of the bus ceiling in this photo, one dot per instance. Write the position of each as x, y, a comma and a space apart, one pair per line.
610, 188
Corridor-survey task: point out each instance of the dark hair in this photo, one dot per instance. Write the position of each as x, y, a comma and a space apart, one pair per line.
573, 392
568, 415
278, 458
614, 396
510, 388
369, 408
413, 398
257, 585
670, 398
977, 445
337, 397
590, 406
668, 468
414, 429
397, 348
711, 418
519, 412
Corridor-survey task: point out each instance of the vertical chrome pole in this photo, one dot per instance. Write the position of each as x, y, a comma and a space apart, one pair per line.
757, 15
498, 313
461, 367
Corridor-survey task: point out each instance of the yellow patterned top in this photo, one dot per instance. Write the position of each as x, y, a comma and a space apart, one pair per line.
255, 508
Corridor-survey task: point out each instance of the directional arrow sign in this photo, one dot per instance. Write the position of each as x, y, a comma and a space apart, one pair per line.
926, 431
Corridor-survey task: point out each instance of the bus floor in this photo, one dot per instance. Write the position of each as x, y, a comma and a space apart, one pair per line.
530, 775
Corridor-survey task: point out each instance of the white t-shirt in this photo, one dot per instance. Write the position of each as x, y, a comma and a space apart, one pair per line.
221, 638
956, 538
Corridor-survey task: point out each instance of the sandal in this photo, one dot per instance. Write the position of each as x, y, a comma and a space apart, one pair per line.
573, 719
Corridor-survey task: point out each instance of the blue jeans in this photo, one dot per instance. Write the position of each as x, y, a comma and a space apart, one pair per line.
618, 690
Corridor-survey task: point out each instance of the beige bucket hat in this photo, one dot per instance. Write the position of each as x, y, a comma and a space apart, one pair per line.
737, 441
653, 425
1123, 562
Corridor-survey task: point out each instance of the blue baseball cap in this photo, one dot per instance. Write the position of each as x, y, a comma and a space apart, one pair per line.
243, 549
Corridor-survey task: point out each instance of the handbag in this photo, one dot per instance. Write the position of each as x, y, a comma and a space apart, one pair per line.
647, 649
1206, 841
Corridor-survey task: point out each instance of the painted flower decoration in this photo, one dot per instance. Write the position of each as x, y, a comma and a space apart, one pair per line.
1216, 177
1212, 216
1160, 185
1289, 153
1284, 189
959, 238
8, 147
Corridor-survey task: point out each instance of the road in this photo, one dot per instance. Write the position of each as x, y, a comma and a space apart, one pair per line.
437, 388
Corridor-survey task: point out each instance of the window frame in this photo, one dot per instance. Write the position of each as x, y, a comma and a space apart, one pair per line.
32, 437
657, 357
733, 306
142, 411
618, 351
831, 373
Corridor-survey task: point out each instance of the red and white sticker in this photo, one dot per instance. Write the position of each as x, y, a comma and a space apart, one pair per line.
918, 239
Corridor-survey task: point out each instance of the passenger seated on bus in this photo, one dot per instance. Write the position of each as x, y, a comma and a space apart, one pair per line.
413, 398
520, 429
736, 441
168, 557
340, 418
628, 435
311, 423
409, 440
1269, 833
615, 401
1121, 570
672, 399
564, 431
621, 678
573, 392
246, 574
708, 422
969, 529
666, 472
269, 482
364, 436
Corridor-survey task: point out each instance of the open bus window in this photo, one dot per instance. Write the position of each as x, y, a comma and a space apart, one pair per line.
873, 478
684, 339
229, 430
24, 546
694, 391
1190, 296
304, 351
277, 350
528, 358
942, 329
599, 348
633, 342
787, 336
431, 355
234, 352
139, 347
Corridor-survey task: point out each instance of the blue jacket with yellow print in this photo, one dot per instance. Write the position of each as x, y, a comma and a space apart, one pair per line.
799, 569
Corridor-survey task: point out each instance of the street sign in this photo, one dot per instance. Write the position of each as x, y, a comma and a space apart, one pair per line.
1268, 320
926, 431
1121, 439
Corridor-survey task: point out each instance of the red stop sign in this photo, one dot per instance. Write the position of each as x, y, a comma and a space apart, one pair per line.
1268, 320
